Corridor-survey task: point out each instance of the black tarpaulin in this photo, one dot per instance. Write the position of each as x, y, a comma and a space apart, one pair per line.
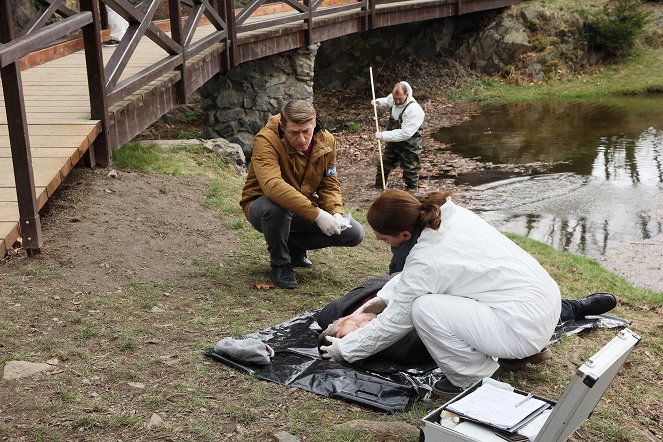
375, 382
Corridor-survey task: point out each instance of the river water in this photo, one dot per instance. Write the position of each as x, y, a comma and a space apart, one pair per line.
604, 194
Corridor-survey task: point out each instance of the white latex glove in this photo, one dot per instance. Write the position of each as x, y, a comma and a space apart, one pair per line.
372, 102
338, 217
331, 351
378, 135
328, 224
375, 305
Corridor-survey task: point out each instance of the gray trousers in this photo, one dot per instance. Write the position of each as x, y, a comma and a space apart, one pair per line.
287, 234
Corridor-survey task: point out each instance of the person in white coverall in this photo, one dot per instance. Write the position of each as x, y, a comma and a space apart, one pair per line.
117, 25
471, 293
403, 135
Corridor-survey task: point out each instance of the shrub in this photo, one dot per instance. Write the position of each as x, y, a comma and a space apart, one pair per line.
616, 27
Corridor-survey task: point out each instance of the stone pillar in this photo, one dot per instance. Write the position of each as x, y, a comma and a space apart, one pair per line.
238, 102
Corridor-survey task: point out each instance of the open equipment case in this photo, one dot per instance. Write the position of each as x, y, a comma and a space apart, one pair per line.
579, 399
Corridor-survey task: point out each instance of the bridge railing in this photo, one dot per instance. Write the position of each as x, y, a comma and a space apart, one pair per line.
33, 37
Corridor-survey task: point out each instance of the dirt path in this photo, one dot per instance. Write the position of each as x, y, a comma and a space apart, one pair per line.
107, 232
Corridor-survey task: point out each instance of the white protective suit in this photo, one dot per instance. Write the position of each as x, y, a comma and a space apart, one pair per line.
413, 117
116, 24
471, 293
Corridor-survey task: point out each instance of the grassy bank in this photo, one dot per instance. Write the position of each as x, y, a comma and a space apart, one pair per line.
100, 353
639, 73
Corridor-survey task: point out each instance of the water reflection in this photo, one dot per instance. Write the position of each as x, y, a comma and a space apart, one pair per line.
606, 192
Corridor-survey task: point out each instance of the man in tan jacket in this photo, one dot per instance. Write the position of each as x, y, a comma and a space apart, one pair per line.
292, 194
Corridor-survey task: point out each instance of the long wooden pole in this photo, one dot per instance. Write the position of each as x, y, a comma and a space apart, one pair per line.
377, 128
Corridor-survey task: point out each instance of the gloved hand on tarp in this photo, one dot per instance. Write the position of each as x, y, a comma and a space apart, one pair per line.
331, 351
249, 350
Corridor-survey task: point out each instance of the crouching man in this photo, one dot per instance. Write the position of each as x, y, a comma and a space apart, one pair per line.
292, 194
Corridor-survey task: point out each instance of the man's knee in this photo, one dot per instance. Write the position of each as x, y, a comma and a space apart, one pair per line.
354, 235
264, 211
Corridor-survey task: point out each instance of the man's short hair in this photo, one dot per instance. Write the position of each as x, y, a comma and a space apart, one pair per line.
401, 87
297, 111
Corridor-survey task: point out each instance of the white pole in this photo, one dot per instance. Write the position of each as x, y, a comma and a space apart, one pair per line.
377, 128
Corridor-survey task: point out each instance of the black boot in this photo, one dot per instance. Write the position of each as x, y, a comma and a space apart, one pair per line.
282, 277
378, 180
597, 304
445, 390
298, 258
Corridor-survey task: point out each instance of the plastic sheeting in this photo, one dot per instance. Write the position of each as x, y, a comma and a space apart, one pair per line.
374, 383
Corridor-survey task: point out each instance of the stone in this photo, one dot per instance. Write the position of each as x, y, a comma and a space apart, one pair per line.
529, 14
493, 49
225, 115
21, 369
231, 152
155, 421
284, 436
138, 385
276, 90
278, 78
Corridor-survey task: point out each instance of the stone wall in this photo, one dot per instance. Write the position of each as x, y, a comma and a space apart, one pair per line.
237, 103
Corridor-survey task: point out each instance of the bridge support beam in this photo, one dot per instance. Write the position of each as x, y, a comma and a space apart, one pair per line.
19, 141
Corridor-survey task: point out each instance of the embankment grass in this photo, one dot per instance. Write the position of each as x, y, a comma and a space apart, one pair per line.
639, 73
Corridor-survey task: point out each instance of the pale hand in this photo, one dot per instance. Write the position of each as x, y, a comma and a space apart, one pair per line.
331, 351
378, 135
328, 224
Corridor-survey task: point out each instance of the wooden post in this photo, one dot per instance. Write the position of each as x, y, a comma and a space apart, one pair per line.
377, 127
175, 12
101, 151
19, 141
308, 22
232, 33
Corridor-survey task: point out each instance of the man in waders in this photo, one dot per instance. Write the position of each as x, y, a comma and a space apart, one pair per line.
403, 135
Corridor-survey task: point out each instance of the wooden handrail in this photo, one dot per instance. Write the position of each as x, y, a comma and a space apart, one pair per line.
14, 50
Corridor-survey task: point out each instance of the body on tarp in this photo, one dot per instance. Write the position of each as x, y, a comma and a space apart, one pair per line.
579, 399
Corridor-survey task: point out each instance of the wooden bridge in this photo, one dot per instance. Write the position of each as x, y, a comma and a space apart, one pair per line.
66, 97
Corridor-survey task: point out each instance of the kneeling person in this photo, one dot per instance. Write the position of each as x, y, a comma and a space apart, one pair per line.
292, 195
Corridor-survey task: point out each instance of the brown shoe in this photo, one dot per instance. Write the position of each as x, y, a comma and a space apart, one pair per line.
517, 364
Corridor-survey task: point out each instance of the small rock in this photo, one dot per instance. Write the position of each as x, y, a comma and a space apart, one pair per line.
112, 174
157, 309
155, 421
284, 436
169, 360
21, 369
139, 385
